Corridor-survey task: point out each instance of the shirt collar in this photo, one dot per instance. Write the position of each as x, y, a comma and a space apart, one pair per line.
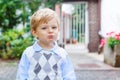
38, 48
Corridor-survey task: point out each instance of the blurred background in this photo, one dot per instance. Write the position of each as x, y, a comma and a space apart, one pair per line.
83, 24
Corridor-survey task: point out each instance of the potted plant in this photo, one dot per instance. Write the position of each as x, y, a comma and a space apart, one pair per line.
112, 49
113, 39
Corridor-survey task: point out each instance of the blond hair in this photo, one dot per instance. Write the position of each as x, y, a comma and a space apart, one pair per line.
42, 16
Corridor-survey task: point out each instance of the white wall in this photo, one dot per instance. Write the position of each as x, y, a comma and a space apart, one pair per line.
110, 16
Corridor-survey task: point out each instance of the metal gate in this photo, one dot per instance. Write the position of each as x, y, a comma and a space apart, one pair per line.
74, 27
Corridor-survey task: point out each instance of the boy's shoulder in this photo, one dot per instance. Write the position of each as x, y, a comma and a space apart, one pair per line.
29, 50
61, 51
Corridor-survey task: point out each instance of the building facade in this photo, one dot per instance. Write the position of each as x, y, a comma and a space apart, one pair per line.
80, 24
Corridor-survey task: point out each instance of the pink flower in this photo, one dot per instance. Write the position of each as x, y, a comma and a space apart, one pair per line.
111, 34
102, 42
117, 36
113, 39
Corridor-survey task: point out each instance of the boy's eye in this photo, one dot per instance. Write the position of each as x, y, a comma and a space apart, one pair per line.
54, 27
44, 28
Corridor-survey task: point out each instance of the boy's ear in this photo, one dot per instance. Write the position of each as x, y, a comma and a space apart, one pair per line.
33, 33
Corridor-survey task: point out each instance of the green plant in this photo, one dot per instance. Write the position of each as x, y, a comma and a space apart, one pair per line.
113, 39
13, 42
14, 12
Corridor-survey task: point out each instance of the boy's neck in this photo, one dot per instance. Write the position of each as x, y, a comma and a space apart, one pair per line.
46, 46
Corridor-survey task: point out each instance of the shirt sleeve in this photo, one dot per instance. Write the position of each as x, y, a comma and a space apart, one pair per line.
68, 72
23, 66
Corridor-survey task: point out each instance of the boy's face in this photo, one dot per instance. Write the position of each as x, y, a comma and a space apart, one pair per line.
47, 33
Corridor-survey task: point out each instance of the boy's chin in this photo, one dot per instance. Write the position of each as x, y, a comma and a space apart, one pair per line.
51, 41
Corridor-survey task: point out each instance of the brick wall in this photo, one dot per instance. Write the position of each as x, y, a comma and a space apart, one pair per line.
93, 25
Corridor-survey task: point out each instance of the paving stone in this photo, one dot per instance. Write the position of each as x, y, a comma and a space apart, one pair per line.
98, 75
8, 70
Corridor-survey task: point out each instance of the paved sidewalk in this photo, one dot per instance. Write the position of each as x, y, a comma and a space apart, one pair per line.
90, 66
88, 61
87, 67
98, 74
8, 70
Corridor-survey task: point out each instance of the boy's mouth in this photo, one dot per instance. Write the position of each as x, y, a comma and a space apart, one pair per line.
50, 37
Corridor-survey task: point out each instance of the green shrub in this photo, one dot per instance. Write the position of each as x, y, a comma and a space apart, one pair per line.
13, 42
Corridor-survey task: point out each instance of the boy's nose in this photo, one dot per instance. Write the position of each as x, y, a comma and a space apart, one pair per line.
50, 29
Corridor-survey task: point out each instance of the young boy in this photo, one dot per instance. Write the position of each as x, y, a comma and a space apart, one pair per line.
45, 60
